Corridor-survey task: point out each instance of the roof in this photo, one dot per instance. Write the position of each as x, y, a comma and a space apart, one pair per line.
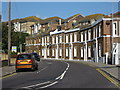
51, 19
90, 17
73, 16
28, 19
117, 14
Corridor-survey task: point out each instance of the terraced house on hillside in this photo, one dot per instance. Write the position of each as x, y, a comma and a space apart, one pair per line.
91, 38
23, 25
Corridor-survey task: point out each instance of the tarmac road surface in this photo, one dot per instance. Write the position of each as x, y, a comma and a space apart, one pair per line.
57, 74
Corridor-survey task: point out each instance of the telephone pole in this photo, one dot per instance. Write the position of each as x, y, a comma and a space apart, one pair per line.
9, 31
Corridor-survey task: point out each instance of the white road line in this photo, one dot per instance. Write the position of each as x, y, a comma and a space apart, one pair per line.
64, 71
59, 77
62, 75
49, 85
41, 70
37, 84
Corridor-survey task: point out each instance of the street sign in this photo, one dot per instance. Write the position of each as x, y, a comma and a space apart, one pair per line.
14, 48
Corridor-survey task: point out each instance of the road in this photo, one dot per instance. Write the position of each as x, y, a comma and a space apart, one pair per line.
57, 74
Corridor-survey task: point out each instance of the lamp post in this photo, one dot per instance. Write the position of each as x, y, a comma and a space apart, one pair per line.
9, 31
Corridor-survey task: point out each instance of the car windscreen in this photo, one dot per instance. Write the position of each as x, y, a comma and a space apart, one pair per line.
23, 56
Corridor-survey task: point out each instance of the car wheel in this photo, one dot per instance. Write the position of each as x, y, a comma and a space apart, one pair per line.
37, 67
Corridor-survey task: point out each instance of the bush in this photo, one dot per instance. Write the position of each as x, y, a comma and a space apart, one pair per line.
13, 54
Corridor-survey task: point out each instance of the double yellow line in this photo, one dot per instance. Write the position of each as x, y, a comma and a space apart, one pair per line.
109, 78
8, 75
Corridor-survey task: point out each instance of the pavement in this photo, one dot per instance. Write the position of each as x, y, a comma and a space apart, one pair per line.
7, 70
112, 70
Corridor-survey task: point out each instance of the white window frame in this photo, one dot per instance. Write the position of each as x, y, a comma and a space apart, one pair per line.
66, 38
100, 29
89, 34
42, 41
43, 52
35, 29
39, 52
81, 36
39, 40
89, 51
48, 51
53, 52
71, 37
45, 40
75, 51
66, 51
56, 38
60, 38
82, 52
60, 52
75, 37
100, 47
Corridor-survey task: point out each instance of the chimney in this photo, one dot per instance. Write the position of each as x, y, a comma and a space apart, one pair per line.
59, 21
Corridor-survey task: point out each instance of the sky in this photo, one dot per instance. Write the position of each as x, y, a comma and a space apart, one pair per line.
61, 9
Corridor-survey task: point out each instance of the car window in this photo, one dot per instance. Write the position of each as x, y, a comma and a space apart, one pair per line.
32, 56
25, 56
35, 53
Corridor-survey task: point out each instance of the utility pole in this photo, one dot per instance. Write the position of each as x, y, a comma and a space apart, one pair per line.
112, 37
20, 42
9, 31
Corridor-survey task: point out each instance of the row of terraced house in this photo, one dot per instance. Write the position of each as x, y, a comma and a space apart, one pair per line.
89, 38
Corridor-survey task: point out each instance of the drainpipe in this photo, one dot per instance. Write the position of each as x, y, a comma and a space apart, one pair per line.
96, 50
96, 46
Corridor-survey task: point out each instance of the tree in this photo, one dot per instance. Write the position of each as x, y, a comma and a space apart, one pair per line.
15, 38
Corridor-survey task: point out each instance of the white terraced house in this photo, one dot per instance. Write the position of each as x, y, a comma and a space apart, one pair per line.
91, 38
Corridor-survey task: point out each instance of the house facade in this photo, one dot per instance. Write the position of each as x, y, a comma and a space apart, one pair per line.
92, 38
23, 26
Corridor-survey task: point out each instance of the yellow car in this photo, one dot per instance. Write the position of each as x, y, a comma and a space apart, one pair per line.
26, 61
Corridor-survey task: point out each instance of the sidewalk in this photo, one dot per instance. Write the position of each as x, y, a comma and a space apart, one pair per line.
7, 70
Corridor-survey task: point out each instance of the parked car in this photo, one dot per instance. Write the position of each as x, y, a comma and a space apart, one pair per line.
26, 61
37, 57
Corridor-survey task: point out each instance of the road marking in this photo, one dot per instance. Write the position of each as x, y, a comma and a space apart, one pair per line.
109, 78
41, 70
8, 75
62, 75
59, 77
37, 84
49, 85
